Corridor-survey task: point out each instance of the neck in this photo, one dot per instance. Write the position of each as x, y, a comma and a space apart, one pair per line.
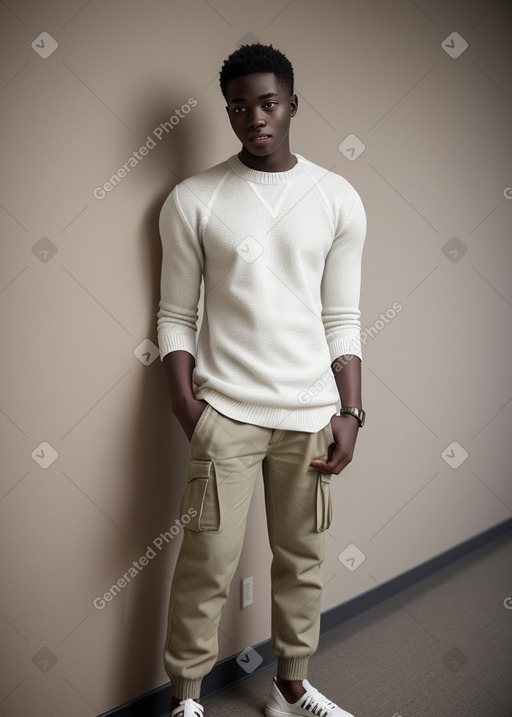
280, 161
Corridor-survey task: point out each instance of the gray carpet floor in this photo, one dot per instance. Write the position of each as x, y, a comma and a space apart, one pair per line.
442, 648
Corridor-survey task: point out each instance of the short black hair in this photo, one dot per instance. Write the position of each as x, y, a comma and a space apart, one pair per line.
249, 59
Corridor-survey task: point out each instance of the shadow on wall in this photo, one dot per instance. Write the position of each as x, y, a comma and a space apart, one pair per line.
157, 456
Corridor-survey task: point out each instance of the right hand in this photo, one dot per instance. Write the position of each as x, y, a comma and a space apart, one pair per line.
189, 414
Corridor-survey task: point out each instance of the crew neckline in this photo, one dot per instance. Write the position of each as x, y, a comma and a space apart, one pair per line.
254, 175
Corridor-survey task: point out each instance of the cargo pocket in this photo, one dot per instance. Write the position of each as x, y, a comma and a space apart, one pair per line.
323, 502
200, 500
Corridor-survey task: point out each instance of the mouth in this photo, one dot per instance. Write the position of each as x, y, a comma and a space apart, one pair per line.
260, 138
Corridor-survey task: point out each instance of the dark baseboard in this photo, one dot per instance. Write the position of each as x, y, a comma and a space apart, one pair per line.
228, 671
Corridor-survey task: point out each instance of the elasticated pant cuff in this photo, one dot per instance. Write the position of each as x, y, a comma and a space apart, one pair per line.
292, 668
184, 688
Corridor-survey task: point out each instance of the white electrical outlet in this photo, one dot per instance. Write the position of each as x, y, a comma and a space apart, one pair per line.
247, 592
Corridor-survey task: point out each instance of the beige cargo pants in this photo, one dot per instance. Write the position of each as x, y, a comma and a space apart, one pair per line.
226, 456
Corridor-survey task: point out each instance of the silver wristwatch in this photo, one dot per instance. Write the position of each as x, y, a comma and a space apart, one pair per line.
358, 413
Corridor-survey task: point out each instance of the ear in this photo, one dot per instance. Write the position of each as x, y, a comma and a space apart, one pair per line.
294, 105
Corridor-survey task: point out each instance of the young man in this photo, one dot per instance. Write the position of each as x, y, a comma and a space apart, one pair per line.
278, 241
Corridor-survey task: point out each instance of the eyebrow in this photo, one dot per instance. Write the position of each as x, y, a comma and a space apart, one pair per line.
261, 97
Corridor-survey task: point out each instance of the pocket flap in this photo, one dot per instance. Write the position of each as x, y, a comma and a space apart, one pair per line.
323, 502
200, 499
200, 468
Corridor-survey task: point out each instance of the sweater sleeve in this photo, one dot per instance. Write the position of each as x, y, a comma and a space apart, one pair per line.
182, 269
341, 285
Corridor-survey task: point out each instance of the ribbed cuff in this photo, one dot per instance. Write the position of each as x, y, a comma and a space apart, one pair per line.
174, 341
344, 345
185, 688
292, 668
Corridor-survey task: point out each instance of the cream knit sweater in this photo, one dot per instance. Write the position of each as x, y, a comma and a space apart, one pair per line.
280, 254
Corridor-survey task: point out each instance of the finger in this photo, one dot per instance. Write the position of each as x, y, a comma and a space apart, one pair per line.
318, 462
327, 467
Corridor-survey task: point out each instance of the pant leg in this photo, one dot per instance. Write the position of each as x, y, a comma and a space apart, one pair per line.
298, 504
225, 461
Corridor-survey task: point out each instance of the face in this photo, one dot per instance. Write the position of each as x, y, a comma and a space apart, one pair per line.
260, 109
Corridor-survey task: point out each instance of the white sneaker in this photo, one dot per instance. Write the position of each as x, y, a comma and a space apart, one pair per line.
188, 708
311, 703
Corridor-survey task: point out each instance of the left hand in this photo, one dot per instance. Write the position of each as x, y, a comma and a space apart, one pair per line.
345, 429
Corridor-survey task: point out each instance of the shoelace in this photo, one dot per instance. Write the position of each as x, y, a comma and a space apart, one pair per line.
316, 703
198, 712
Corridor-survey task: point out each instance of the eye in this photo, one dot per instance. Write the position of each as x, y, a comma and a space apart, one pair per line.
238, 110
270, 105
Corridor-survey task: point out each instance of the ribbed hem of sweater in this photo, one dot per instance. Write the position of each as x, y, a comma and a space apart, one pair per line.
309, 420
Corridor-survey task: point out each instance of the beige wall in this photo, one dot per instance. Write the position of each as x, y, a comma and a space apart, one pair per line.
79, 291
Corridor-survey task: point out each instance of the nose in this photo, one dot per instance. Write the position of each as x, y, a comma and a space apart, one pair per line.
255, 120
